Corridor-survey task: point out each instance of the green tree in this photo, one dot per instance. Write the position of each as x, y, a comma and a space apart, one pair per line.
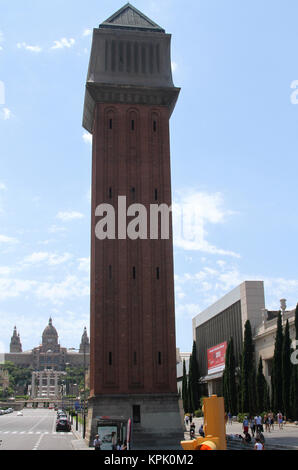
276, 380
247, 371
286, 371
229, 380
185, 389
193, 380
294, 376
262, 389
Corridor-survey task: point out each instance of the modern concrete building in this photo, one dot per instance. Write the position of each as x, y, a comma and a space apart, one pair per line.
129, 99
213, 328
181, 356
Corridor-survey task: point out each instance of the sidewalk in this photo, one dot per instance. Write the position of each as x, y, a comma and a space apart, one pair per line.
79, 443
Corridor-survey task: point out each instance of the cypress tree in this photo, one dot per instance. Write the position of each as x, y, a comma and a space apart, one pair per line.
232, 379
225, 388
247, 370
194, 380
277, 368
294, 384
261, 389
184, 389
286, 370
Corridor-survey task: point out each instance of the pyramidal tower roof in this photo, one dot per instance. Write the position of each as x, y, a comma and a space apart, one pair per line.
128, 17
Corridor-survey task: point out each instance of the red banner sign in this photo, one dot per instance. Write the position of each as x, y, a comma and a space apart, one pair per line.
216, 357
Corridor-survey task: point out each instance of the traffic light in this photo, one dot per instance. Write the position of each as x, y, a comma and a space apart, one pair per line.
214, 427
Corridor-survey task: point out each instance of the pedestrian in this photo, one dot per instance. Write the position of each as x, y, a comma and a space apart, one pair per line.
252, 426
245, 424
192, 431
246, 439
280, 420
97, 442
258, 445
190, 418
201, 431
271, 420
186, 419
119, 445
261, 438
114, 440
258, 422
230, 418
124, 446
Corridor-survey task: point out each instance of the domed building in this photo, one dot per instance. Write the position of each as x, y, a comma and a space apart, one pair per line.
49, 354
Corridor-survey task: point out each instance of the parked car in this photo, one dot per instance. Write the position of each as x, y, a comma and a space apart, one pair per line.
1, 412
63, 424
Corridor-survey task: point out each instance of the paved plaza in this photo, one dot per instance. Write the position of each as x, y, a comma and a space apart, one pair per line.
288, 436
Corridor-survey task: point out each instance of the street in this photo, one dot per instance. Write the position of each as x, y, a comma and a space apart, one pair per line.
35, 430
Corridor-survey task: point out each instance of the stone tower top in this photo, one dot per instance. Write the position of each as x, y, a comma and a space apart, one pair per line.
15, 343
130, 63
128, 17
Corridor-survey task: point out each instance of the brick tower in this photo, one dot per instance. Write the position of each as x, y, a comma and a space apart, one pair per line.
128, 102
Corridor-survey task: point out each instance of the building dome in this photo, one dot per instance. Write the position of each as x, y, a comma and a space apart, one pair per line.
50, 330
49, 337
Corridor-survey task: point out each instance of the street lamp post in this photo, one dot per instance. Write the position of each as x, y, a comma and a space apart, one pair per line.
84, 400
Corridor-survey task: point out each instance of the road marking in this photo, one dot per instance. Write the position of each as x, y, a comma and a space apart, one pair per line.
38, 443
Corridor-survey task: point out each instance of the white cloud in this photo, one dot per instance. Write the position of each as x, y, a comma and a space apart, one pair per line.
27, 47
87, 137
84, 264
174, 66
3, 187
6, 114
51, 259
64, 42
87, 32
67, 216
56, 229
5, 239
72, 287
14, 287
194, 210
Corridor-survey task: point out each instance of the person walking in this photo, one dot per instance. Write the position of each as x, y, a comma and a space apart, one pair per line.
245, 425
258, 421
252, 426
186, 419
97, 443
280, 420
114, 440
271, 420
230, 418
266, 422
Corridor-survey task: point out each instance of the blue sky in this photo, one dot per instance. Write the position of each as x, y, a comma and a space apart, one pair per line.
233, 151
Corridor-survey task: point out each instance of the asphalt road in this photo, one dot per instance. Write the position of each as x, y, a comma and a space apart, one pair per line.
35, 430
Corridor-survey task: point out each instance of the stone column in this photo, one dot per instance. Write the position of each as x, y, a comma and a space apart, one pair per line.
48, 383
56, 384
40, 384
33, 385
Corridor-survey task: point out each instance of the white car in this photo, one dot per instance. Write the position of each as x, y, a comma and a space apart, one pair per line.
19, 413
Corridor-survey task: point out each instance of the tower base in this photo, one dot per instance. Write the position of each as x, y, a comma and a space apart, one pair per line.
160, 426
